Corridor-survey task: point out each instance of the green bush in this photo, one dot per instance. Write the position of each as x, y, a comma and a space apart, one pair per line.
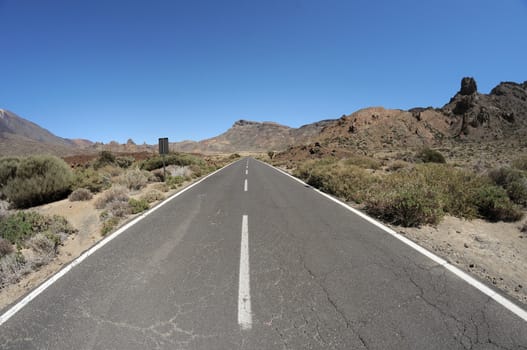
124, 162
38, 180
427, 155
91, 179
405, 203
22, 225
338, 178
109, 225
138, 206
513, 181
174, 181
105, 158
8, 167
493, 204
415, 195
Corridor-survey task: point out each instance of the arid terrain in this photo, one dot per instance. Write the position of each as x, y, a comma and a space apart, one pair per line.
481, 140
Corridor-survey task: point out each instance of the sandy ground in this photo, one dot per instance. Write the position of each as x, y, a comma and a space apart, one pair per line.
493, 252
85, 218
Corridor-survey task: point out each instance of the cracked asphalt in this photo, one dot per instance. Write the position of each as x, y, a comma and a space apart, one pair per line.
320, 278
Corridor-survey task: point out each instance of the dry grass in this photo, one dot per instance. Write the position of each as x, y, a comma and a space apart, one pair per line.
412, 195
134, 179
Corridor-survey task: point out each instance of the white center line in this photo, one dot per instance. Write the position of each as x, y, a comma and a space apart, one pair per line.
246, 172
245, 317
245, 186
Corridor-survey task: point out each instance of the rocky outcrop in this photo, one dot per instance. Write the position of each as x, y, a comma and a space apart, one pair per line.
468, 86
502, 113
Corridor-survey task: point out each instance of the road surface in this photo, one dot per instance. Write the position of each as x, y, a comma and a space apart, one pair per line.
251, 259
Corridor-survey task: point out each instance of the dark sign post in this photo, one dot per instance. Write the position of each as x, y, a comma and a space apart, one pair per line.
163, 149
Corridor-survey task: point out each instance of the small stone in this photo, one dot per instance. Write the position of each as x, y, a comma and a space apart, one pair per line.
465, 245
520, 286
471, 266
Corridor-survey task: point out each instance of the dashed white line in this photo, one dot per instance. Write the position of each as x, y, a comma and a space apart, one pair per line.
246, 172
245, 317
245, 185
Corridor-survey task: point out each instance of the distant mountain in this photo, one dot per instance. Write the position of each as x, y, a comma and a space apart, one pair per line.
19, 136
250, 136
468, 116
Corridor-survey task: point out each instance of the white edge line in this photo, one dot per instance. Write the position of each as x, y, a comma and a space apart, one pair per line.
245, 319
503, 301
18, 306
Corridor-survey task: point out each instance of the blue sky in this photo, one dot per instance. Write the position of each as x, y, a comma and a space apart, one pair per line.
112, 70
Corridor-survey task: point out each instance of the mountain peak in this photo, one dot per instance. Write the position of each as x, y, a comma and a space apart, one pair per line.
243, 122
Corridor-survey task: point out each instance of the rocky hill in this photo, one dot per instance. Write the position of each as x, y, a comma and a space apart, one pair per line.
469, 116
19, 136
250, 136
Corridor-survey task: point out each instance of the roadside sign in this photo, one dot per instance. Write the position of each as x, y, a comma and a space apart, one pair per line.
163, 145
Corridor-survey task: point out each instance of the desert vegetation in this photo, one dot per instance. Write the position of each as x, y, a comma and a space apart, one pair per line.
422, 190
29, 240
34, 180
117, 186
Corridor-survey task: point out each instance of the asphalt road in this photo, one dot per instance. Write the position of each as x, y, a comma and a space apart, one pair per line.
266, 263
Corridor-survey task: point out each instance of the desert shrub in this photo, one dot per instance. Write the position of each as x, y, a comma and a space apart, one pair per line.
133, 179
363, 162
171, 159
152, 196
234, 156
12, 268
45, 245
5, 247
105, 158
119, 209
138, 205
109, 225
110, 170
338, 178
23, 225
80, 194
397, 165
117, 193
124, 162
174, 181
427, 155
405, 203
91, 179
8, 167
513, 181
39, 180
520, 163
162, 187
493, 204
